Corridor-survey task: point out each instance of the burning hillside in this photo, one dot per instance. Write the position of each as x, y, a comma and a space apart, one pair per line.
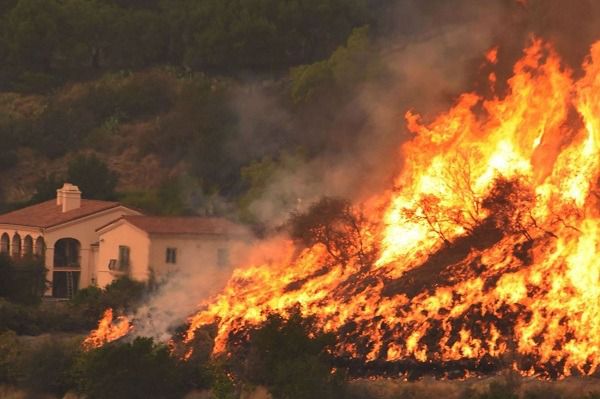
484, 251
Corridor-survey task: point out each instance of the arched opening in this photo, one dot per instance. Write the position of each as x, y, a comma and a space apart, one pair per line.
28, 245
65, 282
66, 253
16, 245
40, 246
4, 243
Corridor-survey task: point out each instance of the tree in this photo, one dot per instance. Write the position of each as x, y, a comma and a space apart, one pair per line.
22, 281
34, 33
349, 65
510, 203
93, 177
333, 223
45, 188
139, 369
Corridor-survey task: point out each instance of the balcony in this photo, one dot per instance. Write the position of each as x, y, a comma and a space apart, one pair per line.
118, 268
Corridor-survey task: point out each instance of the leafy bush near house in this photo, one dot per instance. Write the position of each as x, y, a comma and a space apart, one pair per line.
23, 280
42, 318
140, 369
91, 302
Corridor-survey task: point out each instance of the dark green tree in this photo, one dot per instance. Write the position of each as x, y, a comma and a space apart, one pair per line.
45, 188
93, 177
22, 281
34, 33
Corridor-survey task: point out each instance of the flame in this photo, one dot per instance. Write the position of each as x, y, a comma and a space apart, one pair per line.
485, 247
109, 329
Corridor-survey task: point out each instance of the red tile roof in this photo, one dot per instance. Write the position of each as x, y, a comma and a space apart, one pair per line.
48, 214
184, 225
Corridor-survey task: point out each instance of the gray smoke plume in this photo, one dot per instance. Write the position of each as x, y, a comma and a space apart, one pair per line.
431, 52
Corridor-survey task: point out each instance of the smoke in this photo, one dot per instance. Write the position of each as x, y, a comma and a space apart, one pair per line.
176, 298
179, 294
430, 52
353, 144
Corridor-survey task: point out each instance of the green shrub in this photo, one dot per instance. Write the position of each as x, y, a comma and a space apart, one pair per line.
140, 369
289, 357
89, 303
22, 281
46, 367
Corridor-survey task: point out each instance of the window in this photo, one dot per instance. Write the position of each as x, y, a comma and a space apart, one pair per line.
171, 255
223, 257
123, 256
112, 264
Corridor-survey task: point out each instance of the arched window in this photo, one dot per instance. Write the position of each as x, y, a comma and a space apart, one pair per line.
66, 253
16, 245
4, 243
28, 245
40, 246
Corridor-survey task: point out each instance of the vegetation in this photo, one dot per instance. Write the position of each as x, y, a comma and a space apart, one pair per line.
77, 316
140, 369
289, 356
22, 281
106, 87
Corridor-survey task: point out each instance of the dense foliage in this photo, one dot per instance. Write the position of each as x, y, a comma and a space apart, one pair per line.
79, 315
22, 280
45, 41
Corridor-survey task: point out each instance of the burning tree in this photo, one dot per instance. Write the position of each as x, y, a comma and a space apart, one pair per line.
335, 224
510, 203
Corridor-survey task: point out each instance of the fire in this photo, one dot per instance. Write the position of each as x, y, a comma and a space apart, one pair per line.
486, 247
109, 329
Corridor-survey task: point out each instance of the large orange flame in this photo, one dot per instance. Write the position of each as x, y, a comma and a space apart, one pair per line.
109, 329
486, 247
445, 286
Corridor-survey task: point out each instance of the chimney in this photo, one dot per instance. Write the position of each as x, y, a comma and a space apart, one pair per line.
69, 197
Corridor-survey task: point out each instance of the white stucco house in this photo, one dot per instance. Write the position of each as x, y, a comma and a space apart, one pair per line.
89, 242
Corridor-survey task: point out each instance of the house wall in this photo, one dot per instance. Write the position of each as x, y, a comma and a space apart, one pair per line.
193, 252
139, 250
83, 230
23, 232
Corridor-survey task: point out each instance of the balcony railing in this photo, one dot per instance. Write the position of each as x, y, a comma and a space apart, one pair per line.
67, 262
118, 267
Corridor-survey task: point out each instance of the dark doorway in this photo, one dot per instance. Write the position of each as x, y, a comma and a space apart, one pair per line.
65, 284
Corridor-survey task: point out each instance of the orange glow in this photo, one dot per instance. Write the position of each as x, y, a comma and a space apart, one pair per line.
109, 329
486, 246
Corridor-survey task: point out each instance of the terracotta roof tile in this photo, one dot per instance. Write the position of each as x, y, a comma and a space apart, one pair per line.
48, 214
184, 225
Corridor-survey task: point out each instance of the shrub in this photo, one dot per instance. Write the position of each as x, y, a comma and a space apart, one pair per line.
140, 369
47, 365
10, 354
22, 281
91, 302
289, 356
